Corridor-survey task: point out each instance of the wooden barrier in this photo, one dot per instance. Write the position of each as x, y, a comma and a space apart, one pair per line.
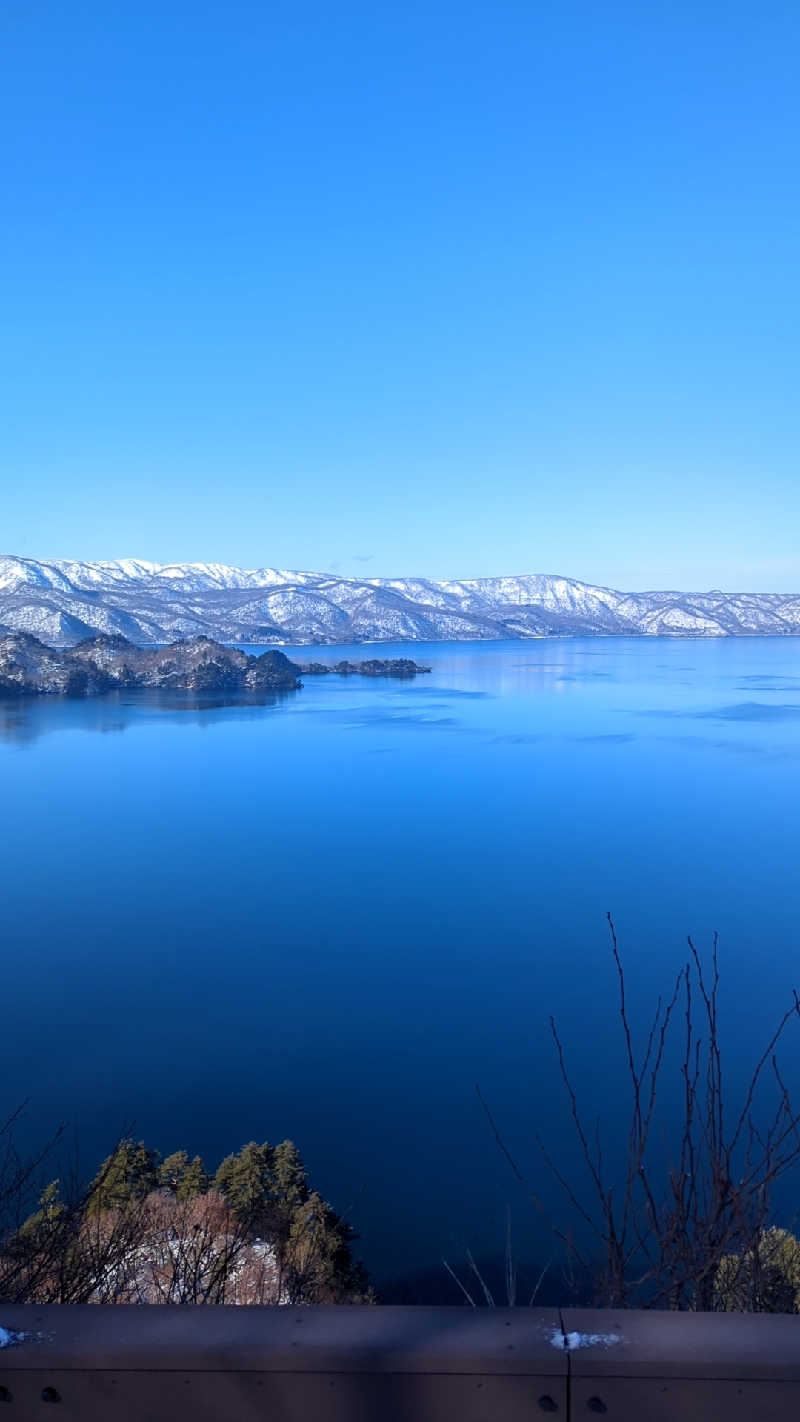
96, 1364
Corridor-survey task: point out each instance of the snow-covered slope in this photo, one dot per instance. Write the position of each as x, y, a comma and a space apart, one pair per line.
63, 601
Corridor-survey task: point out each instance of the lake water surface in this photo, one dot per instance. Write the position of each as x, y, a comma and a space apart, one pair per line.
329, 916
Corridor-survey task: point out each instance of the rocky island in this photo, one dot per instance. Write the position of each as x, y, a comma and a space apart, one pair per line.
100, 664
375, 666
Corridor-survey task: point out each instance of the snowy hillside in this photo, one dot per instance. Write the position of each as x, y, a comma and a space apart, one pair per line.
63, 601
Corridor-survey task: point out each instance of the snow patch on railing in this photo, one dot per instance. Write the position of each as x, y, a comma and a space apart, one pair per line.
567, 1342
10, 1339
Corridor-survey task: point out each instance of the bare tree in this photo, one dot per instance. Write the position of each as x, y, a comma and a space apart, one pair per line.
695, 1194
18, 1173
52, 1254
183, 1251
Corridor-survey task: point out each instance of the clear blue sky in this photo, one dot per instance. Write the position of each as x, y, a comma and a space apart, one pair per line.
453, 289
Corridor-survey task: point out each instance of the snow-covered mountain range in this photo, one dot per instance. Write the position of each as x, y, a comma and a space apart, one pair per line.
62, 601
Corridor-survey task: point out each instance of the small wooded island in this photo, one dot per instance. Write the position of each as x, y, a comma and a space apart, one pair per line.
102, 664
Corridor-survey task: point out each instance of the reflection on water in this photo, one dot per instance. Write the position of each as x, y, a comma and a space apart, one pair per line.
558, 683
25, 719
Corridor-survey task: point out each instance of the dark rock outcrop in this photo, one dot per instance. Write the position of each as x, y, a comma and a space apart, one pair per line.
376, 666
100, 664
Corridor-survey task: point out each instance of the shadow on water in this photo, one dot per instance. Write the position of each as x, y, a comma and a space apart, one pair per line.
741, 711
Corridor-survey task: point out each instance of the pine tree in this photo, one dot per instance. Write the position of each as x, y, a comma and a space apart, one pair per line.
246, 1181
184, 1177
80, 1253
289, 1174
195, 1180
48, 1218
318, 1257
40, 1256
129, 1174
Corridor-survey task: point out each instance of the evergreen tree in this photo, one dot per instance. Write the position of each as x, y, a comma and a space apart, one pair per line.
129, 1174
47, 1219
289, 1188
90, 1251
184, 1177
267, 1188
289, 1174
41, 1254
318, 1256
247, 1183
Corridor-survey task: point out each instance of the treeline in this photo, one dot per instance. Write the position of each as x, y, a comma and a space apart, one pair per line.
153, 1229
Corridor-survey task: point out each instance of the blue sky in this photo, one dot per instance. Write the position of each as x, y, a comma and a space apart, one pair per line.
435, 288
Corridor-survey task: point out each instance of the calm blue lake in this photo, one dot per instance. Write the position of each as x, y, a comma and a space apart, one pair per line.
328, 917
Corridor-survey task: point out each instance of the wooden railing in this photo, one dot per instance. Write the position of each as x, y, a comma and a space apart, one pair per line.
381, 1364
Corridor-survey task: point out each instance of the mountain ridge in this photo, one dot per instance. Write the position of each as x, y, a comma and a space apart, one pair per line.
64, 600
